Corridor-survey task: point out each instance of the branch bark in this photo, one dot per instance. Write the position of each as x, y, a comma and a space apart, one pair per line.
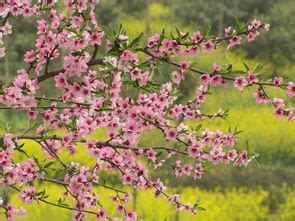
51, 74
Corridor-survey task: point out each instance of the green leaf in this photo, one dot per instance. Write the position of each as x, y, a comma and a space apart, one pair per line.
19, 149
247, 146
41, 193
199, 208
258, 68
45, 196
238, 72
237, 132
46, 8
246, 66
198, 127
1, 142
83, 26
106, 109
144, 64
135, 41
37, 162
78, 53
162, 35
48, 164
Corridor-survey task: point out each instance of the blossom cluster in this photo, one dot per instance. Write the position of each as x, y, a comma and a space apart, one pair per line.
93, 96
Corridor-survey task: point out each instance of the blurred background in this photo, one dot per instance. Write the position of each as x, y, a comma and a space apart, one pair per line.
264, 190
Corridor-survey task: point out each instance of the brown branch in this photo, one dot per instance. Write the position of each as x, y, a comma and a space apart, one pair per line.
95, 184
101, 143
60, 100
198, 71
51, 74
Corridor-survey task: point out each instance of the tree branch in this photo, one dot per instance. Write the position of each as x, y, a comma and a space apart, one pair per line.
51, 74
101, 143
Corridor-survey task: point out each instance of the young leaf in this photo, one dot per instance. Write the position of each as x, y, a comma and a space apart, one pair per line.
246, 66
135, 41
258, 68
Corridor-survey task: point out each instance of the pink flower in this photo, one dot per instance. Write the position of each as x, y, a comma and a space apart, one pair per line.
187, 169
75, 65
67, 139
170, 45
198, 171
2, 52
208, 46
60, 80
20, 211
205, 79
96, 37
21, 78
27, 195
236, 40
278, 103
29, 56
151, 154
291, 89
177, 77
129, 56
127, 179
195, 149
197, 37
27, 171
190, 51
242, 159
266, 27
32, 115
256, 23
231, 155
252, 78
130, 216
42, 26
6, 29
185, 66
10, 211
123, 38
240, 82
277, 81
135, 74
251, 36
228, 30
3, 9
101, 214
171, 133
260, 97
9, 142
153, 40
216, 67
77, 21
217, 80
144, 78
